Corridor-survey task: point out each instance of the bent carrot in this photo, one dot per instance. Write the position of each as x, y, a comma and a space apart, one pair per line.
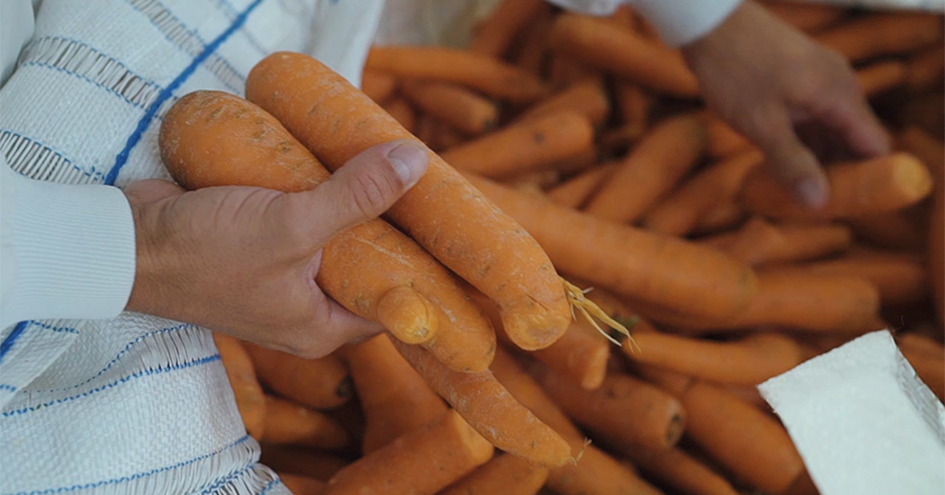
505, 474
575, 191
291, 423
493, 254
807, 17
401, 110
394, 398
379, 86
523, 147
421, 462
453, 105
587, 98
596, 250
301, 461
599, 474
322, 383
882, 34
880, 77
899, 229
759, 242
491, 410
610, 48
926, 68
856, 188
661, 159
723, 140
899, 277
680, 213
213, 138
250, 400
677, 469
495, 35
474, 70
302, 485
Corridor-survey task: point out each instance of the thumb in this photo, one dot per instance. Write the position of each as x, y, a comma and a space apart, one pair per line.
794, 164
151, 190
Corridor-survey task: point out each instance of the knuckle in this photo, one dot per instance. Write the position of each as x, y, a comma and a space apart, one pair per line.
372, 192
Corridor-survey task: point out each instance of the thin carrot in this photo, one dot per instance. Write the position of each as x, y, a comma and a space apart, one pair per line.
901, 278
453, 105
322, 383
575, 191
899, 229
882, 34
250, 399
495, 35
291, 423
492, 253
680, 212
880, 77
474, 70
599, 474
213, 138
302, 485
807, 17
759, 242
401, 110
723, 140
379, 86
635, 106
610, 48
722, 217
677, 469
526, 146
856, 188
491, 410
654, 166
926, 68
394, 398
588, 98
301, 461
505, 474
596, 250
421, 462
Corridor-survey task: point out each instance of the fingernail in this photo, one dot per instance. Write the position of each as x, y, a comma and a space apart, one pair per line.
409, 161
811, 192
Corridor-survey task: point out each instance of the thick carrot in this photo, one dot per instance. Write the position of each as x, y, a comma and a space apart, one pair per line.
807, 17
401, 110
882, 34
723, 140
635, 106
899, 229
880, 77
291, 423
680, 212
926, 68
526, 146
722, 217
599, 474
453, 105
491, 410
856, 188
703, 281
495, 35
302, 485
213, 138
610, 48
379, 86
474, 70
250, 399
443, 212
651, 170
576, 191
301, 461
588, 98
900, 277
677, 469
926, 147
759, 242
420, 462
748, 360
624, 411
505, 474
322, 383
394, 398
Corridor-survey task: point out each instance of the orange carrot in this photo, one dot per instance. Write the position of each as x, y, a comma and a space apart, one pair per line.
599, 474
624, 17
677, 469
379, 86
505, 474
576, 191
882, 34
635, 106
453, 105
930, 369
926, 68
899, 229
856, 188
681, 212
596, 250
250, 399
661, 159
421, 462
584, 160
624, 411
587, 98
899, 277
610, 48
534, 182
533, 49
918, 343
759, 242
723, 216
491, 253
880, 77
526, 146
394, 398
301, 461
477, 71
302, 485
807, 17
723, 140
748, 360
402, 112
213, 138
322, 383
290, 423
566, 71
619, 140
495, 35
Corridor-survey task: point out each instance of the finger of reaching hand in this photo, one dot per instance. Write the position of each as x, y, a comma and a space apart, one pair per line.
848, 114
795, 165
334, 327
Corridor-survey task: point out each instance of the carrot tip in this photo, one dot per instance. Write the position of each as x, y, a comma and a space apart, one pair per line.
590, 310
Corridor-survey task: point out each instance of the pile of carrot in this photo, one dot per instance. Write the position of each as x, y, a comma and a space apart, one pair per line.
566, 147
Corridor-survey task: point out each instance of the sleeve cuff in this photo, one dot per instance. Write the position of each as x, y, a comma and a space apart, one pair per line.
74, 251
683, 21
